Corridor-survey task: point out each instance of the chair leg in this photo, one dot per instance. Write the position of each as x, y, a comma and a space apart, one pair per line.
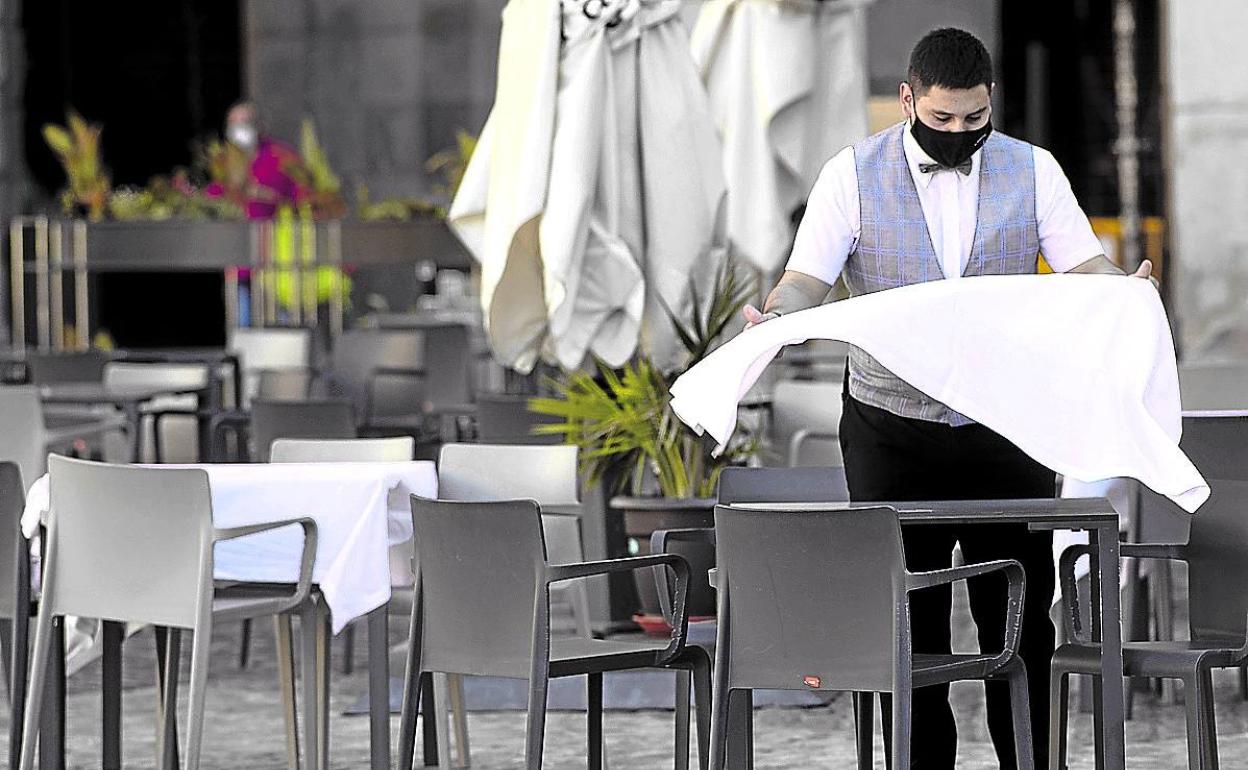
682, 720
244, 644
702, 707
1059, 706
112, 634
593, 687
6, 656
38, 683
1208, 719
201, 644
901, 729
428, 719
535, 732
1192, 706
323, 670
442, 718
411, 699
168, 656
348, 650
719, 720
1243, 683
459, 719
19, 666
286, 682
311, 689
864, 719
1020, 710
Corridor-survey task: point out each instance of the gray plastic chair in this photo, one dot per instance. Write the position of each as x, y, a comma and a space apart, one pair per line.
275, 362
1217, 566
15, 601
782, 485
197, 377
503, 418
836, 584
544, 474
26, 438
805, 419
131, 544
381, 372
482, 608
322, 419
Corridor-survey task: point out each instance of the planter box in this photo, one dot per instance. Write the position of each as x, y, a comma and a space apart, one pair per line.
642, 516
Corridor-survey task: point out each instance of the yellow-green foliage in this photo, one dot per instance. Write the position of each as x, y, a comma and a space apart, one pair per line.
77, 147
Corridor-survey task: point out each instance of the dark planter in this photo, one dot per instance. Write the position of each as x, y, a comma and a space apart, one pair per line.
640, 517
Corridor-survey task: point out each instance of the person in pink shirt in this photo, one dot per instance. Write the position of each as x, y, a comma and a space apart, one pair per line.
274, 170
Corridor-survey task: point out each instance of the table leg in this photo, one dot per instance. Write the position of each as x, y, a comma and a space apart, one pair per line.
111, 633
378, 689
1110, 706
135, 418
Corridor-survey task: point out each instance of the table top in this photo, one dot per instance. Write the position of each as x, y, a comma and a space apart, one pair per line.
98, 393
1056, 513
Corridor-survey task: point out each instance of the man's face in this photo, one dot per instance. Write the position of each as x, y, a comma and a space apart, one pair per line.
949, 109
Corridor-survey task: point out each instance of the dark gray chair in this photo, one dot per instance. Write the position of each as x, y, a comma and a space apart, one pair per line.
1217, 566
503, 418
837, 584
16, 607
782, 485
381, 371
482, 608
326, 419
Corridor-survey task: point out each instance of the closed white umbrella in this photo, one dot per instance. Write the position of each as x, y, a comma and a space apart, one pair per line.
628, 204
787, 81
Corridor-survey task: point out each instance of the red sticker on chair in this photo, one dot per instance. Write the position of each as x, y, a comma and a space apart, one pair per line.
812, 681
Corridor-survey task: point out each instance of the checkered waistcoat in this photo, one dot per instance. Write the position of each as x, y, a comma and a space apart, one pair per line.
895, 249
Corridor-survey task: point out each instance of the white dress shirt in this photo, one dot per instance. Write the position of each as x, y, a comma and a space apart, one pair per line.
830, 228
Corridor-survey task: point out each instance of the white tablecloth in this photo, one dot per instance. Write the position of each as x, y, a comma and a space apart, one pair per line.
360, 510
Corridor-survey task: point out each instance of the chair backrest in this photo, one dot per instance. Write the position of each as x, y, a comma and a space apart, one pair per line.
276, 363
811, 594
1218, 543
348, 450
128, 543
546, 474
505, 419
271, 420
447, 364
782, 485
12, 503
359, 353
135, 375
479, 566
53, 368
23, 437
270, 349
815, 406
1214, 386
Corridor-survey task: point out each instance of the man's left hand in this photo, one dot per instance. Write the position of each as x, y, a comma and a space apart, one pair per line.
1145, 270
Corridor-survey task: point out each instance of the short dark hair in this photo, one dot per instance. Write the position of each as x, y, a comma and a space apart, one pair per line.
949, 58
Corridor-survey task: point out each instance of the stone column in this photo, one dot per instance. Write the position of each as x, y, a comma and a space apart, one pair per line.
1207, 142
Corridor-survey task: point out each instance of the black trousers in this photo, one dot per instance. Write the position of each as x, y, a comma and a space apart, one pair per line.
888, 457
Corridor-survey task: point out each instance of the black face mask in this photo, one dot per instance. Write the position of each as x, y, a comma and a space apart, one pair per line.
949, 148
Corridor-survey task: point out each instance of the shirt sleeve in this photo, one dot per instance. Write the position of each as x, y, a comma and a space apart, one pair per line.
830, 226
1066, 237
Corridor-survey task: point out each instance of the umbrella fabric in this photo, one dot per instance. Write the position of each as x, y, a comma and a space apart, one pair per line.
628, 203
787, 81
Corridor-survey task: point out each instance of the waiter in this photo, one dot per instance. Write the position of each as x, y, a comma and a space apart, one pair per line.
941, 196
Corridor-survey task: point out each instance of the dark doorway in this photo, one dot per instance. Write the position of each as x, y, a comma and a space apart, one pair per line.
157, 74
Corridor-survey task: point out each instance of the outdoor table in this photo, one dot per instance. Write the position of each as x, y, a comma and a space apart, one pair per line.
130, 400
360, 509
1094, 515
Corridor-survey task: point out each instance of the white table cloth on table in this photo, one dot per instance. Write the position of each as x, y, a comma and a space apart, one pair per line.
360, 510
1078, 371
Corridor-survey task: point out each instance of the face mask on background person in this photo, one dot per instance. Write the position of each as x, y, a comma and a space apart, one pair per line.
242, 136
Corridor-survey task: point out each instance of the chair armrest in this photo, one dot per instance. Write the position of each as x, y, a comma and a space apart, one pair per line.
1170, 551
680, 615
63, 434
307, 560
801, 437
1017, 590
658, 544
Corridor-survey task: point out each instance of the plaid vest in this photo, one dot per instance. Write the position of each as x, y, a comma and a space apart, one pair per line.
895, 249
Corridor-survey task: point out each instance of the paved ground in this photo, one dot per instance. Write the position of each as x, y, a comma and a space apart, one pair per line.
244, 727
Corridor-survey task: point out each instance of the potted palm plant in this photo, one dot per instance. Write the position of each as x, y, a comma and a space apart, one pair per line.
660, 474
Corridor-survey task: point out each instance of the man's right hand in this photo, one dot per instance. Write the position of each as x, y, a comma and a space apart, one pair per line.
754, 316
